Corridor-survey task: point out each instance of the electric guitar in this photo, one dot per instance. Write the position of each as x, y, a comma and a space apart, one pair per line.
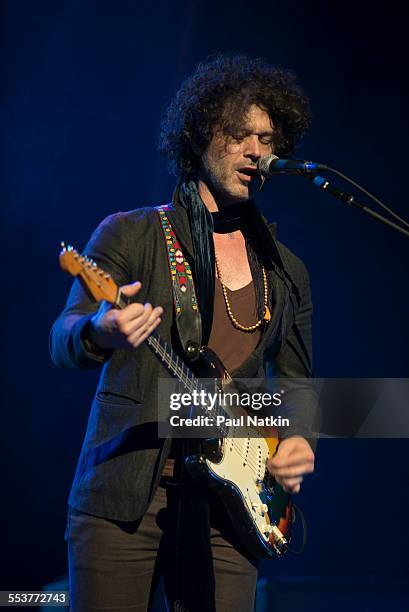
260, 509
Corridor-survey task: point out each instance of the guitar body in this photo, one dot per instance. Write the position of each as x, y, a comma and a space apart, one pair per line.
260, 509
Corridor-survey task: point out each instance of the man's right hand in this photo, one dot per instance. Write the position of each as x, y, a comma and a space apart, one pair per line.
126, 328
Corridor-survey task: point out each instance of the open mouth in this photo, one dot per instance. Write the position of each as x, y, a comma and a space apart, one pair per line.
246, 173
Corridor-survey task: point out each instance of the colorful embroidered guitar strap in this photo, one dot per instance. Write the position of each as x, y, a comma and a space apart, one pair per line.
188, 319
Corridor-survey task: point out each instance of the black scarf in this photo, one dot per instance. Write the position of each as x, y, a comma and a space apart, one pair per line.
245, 216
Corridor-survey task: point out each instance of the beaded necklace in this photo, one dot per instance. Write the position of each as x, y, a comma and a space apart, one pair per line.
267, 315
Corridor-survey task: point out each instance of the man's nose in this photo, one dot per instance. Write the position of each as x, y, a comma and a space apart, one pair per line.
252, 147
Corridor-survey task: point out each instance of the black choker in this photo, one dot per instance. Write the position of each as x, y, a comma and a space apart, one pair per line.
231, 218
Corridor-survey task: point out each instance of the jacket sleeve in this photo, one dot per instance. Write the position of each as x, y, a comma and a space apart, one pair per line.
108, 247
293, 365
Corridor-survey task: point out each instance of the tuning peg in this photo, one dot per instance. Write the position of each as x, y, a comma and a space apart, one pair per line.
65, 248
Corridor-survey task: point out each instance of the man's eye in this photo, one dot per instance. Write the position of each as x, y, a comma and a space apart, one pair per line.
266, 141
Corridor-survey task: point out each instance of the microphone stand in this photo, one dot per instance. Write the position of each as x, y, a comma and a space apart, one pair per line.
322, 183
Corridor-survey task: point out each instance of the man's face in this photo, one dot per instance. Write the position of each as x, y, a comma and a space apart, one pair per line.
229, 163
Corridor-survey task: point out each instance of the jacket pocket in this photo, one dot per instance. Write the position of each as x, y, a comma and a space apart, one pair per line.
113, 397
111, 415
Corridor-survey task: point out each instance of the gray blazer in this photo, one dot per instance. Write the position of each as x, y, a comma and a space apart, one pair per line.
122, 457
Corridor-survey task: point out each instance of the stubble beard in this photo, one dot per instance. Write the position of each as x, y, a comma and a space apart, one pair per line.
224, 186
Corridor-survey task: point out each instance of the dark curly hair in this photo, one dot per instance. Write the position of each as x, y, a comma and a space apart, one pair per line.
218, 95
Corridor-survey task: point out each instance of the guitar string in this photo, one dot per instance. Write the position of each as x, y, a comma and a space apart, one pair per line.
188, 381
167, 353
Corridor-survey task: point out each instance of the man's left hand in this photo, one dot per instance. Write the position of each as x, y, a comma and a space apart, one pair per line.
292, 460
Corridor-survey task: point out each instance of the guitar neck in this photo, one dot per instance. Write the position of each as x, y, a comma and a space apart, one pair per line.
166, 354
176, 366
180, 370
172, 361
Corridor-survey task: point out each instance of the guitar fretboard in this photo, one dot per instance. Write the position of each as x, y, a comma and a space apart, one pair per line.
178, 368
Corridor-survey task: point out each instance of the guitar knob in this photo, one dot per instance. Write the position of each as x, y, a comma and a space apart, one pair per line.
267, 528
260, 508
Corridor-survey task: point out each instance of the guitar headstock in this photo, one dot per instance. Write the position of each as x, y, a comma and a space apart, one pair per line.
96, 281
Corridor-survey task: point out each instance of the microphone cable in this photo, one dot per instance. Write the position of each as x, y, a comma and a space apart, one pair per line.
368, 194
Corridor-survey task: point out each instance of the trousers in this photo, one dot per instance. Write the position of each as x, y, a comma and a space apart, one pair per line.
130, 566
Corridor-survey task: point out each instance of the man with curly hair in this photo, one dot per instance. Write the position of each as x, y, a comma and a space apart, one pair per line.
125, 532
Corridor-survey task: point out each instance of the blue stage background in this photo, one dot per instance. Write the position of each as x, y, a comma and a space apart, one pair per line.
83, 86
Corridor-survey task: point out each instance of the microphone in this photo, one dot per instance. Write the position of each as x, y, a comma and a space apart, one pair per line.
270, 165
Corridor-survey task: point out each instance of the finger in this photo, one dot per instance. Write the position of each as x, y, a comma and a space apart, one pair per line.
131, 289
288, 471
132, 312
291, 485
143, 321
292, 459
286, 451
295, 489
291, 482
120, 319
292, 472
154, 314
133, 317
140, 331
139, 337
299, 465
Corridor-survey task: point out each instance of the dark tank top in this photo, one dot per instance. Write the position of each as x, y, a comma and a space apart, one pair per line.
231, 345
